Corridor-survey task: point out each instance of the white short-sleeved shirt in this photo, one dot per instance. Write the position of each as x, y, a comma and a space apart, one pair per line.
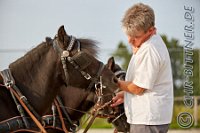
150, 68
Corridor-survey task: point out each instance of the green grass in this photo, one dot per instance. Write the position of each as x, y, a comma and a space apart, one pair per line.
98, 123
178, 108
104, 123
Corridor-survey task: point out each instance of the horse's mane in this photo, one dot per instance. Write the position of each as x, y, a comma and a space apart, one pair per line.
31, 57
89, 46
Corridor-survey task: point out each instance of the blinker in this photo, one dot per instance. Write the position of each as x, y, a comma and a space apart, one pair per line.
82, 59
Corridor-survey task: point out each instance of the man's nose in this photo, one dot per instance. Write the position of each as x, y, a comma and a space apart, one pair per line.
131, 41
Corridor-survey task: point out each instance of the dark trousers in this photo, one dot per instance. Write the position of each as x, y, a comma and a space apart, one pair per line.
137, 128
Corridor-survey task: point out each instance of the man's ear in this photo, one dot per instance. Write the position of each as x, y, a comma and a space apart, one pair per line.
152, 30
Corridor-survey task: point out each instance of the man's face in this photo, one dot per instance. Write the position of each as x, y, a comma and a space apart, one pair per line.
140, 37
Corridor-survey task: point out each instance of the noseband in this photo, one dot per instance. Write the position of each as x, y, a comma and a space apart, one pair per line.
120, 74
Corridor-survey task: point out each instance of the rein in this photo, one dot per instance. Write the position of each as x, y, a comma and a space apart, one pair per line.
79, 61
98, 106
99, 92
94, 113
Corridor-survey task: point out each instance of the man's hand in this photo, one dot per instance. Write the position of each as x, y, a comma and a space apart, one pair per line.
118, 99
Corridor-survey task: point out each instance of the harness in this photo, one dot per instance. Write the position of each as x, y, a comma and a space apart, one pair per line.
95, 111
20, 101
99, 106
79, 61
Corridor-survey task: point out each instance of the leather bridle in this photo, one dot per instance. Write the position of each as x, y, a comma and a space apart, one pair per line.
75, 62
98, 106
65, 57
79, 61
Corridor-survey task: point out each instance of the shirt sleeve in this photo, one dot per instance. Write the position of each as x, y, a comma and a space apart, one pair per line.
146, 68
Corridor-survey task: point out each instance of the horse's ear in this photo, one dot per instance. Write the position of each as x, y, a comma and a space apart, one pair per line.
111, 63
48, 39
62, 35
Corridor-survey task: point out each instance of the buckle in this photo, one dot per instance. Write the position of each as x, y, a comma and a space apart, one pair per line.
87, 76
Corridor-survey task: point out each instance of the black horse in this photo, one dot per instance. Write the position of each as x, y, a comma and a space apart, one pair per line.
120, 121
75, 102
41, 73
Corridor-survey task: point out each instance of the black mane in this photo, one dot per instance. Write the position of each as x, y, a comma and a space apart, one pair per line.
87, 45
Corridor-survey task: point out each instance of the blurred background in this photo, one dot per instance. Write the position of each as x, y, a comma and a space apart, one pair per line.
25, 23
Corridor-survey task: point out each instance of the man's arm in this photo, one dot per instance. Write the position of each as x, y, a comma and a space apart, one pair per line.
130, 87
126, 86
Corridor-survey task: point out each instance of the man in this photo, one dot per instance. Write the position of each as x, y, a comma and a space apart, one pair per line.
147, 91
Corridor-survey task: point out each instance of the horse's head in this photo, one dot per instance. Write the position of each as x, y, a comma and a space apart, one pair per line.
64, 60
80, 67
119, 120
115, 115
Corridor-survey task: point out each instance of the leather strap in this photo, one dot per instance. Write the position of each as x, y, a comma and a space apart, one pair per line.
10, 85
60, 116
28, 111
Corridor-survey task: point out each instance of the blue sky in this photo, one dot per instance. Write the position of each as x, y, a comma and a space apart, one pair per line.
25, 23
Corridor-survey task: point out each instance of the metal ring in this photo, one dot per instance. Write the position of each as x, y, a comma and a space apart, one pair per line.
75, 128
